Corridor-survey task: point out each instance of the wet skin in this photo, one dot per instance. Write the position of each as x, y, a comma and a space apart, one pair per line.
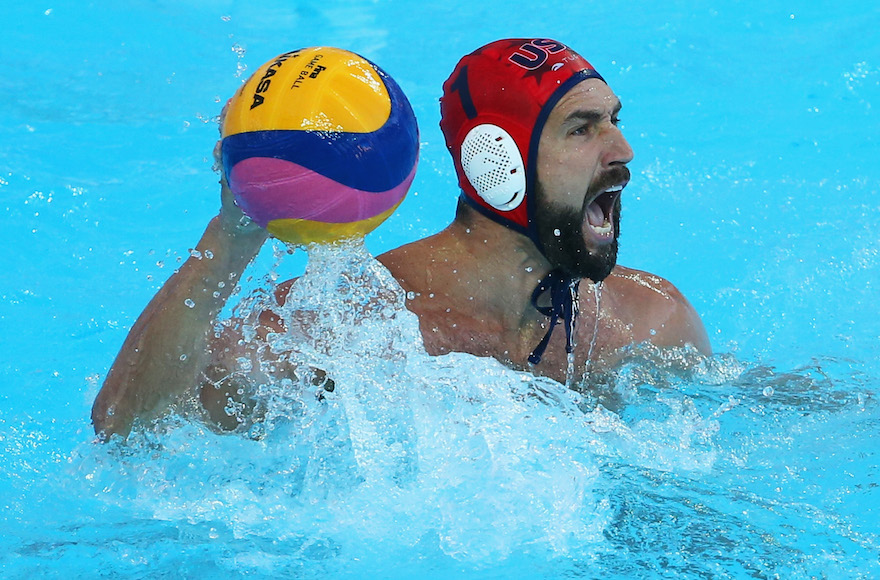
472, 282
470, 285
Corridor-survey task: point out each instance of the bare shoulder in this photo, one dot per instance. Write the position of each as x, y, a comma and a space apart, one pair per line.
656, 309
411, 263
400, 258
643, 285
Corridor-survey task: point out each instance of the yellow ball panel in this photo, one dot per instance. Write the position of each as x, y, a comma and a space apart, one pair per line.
313, 89
301, 232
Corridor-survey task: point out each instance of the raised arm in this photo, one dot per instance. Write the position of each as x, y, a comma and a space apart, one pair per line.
166, 351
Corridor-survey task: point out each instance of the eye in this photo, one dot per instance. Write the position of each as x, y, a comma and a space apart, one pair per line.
580, 130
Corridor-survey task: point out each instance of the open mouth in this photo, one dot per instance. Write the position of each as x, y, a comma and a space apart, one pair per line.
599, 213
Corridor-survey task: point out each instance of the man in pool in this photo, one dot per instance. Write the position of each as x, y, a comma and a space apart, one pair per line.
541, 162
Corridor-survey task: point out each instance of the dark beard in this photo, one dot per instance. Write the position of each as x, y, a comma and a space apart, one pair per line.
568, 251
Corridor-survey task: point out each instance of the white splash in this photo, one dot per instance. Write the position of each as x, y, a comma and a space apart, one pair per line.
406, 451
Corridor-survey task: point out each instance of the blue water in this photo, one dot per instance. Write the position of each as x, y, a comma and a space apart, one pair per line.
755, 129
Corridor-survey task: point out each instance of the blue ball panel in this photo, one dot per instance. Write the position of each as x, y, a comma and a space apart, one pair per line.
376, 161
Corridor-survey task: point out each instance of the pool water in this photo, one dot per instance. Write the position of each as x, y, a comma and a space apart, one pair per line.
754, 190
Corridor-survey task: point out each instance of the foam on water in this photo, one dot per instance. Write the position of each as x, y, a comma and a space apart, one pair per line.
394, 463
408, 454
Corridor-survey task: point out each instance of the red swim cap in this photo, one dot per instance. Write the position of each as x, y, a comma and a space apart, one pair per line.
493, 110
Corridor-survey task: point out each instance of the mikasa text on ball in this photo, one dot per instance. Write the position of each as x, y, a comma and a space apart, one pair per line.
318, 145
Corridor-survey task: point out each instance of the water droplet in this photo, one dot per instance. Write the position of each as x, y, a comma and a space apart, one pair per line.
557, 233
410, 295
768, 391
189, 302
257, 431
183, 357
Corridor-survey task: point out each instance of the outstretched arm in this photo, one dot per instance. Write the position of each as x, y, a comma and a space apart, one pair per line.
167, 349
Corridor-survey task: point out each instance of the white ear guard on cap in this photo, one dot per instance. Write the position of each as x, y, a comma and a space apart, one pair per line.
494, 166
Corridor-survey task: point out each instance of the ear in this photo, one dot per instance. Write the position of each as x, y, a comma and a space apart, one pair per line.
494, 167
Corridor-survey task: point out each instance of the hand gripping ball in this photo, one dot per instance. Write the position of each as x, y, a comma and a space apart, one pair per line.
318, 145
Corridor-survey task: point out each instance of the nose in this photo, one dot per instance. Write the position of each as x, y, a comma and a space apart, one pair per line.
617, 150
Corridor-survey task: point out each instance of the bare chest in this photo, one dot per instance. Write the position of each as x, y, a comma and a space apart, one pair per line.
595, 340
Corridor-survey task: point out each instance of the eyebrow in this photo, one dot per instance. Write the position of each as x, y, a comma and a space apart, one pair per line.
591, 115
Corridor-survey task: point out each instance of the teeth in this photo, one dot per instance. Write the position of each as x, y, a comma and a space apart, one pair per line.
602, 230
595, 215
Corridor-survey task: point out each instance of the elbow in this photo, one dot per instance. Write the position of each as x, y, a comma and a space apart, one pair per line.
698, 336
107, 419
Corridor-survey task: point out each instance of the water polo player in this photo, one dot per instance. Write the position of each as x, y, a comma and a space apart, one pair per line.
533, 132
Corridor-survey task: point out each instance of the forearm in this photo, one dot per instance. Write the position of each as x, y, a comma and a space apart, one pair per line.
167, 349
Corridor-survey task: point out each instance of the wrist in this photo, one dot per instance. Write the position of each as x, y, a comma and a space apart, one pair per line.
236, 242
